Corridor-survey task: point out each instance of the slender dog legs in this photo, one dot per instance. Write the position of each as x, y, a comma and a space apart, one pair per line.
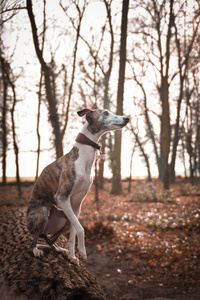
75, 228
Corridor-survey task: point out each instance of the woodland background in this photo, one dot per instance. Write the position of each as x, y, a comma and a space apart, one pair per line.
138, 58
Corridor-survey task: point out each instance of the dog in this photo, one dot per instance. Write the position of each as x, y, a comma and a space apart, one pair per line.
56, 198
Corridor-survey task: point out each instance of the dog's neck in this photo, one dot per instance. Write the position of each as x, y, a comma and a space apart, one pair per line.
89, 135
89, 148
87, 152
83, 139
87, 138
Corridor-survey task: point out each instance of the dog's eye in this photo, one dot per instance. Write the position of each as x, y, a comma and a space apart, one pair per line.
106, 113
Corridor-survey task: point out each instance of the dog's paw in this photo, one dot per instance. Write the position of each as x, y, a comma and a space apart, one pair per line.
37, 252
74, 260
83, 255
65, 252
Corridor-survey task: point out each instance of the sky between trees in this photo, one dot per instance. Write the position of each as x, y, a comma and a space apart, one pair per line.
76, 38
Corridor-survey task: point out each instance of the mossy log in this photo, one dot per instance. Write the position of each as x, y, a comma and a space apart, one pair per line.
23, 276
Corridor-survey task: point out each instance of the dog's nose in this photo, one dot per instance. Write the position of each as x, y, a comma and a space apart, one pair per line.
126, 120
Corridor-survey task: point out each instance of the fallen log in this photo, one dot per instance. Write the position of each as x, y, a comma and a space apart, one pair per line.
23, 276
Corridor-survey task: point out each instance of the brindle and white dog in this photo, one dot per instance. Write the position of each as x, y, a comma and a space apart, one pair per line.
56, 198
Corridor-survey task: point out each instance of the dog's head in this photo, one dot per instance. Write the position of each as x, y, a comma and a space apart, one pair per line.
101, 121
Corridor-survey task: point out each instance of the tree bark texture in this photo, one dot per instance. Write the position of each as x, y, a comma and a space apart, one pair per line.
15, 145
165, 127
53, 113
116, 180
24, 277
183, 70
106, 100
9, 82
165, 137
4, 125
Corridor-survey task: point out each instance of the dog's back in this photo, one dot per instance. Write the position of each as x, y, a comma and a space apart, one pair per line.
42, 197
47, 184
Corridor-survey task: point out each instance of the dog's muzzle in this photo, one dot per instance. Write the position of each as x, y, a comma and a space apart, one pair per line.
126, 120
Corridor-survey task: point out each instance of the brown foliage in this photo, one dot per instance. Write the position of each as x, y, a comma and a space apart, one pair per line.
144, 243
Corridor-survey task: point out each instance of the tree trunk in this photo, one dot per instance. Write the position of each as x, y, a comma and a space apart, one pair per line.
101, 163
15, 146
52, 105
8, 81
50, 277
38, 126
4, 126
106, 91
165, 137
183, 75
131, 166
190, 153
116, 180
96, 185
40, 95
176, 139
165, 126
116, 167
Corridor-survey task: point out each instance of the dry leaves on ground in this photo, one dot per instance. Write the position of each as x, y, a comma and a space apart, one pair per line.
163, 232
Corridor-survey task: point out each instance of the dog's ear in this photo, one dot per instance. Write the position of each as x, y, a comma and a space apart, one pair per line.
84, 111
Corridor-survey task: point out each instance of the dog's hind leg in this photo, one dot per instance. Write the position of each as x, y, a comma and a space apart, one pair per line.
36, 252
58, 233
54, 237
37, 219
51, 241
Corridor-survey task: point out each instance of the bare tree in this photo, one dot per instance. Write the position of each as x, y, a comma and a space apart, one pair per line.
8, 9
106, 100
4, 111
52, 105
192, 127
164, 95
131, 166
9, 80
162, 37
116, 179
40, 93
185, 46
78, 29
98, 82
149, 126
15, 145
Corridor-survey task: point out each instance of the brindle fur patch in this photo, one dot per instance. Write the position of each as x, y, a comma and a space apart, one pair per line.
47, 185
97, 124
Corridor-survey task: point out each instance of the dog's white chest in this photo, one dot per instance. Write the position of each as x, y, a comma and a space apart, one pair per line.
84, 164
83, 180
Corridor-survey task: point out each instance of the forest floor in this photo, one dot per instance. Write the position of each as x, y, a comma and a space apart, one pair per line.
141, 245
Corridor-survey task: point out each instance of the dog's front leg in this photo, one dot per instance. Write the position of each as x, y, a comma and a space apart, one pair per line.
76, 228
72, 241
